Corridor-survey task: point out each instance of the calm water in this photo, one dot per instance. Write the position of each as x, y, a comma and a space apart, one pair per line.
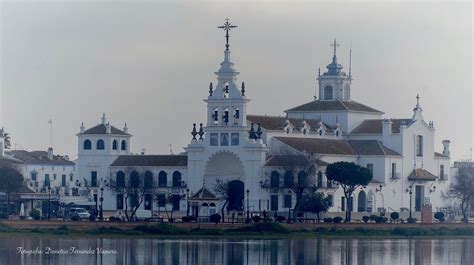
236, 251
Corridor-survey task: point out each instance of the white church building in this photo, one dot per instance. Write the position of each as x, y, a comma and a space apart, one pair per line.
249, 152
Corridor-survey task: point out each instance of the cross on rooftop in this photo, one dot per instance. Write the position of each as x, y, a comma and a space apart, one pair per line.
227, 27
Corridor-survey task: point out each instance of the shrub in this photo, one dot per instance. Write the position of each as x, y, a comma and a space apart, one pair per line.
35, 214
256, 218
160, 229
92, 218
373, 217
113, 219
75, 218
439, 216
365, 218
185, 219
411, 220
280, 218
263, 228
215, 218
3, 216
337, 220
327, 220
394, 216
381, 219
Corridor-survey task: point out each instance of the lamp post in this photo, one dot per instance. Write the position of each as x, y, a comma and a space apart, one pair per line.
49, 202
289, 208
410, 192
248, 209
101, 214
187, 202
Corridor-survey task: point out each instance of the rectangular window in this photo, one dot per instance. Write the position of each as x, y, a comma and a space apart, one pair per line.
370, 167
95, 197
331, 200
175, 204
214, 141
343, 204
224, 139
234, 139
93, 178
119, 201
54, 176
419, 197
394, 170
47, 181
161, 198
441, 172
70, 177
133, 200
63, 180
274, 202
419, 145
33, 176
287, 201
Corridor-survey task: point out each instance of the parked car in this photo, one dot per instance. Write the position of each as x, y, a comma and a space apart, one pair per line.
80, 212
142, 215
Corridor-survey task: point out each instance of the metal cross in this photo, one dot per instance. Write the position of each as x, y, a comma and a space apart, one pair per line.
335, 45
227, 27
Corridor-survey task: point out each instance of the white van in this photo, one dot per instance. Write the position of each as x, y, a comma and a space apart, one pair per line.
142, 215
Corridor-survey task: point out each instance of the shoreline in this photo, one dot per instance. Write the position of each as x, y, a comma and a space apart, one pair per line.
229, 231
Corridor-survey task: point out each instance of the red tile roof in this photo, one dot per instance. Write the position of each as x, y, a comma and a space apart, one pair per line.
278, 123
421, 174
40, 158
375, 126
102, 129
332, 105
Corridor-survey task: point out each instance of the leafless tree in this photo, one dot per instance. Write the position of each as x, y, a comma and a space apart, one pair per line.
463, 190
223, 193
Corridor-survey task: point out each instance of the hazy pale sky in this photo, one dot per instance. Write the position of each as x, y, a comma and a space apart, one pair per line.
149, 64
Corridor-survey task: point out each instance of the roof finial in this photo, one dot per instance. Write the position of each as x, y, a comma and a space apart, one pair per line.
227, 27
350, 59
335, 45
417, 100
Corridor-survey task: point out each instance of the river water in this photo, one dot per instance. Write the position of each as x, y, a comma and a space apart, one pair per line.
40, 250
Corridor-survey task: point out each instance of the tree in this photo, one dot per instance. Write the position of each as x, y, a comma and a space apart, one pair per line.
299, 175
133, 190
315, 202
11, 180
172, 199
463, 190
223, 193
349, 176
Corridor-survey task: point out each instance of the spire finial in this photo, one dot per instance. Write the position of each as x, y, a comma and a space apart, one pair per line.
350, 59
227, 27
335, 45
417, 100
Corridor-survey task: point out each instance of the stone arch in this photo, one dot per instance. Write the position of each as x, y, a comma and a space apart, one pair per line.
362, 202
223, 165
371, 202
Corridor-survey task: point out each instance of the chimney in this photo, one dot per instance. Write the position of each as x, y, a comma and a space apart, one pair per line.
50, 153
143, 151
446, 151
387, 132
125, 128
108, 128
82, 128
104, 119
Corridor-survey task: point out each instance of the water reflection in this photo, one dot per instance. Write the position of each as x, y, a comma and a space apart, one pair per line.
239, 252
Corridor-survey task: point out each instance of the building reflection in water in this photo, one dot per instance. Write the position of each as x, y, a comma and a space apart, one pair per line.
315, 251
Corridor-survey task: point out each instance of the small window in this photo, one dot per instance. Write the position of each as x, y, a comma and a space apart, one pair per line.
47, 181
148, 180
328, 93
87, 145
214, 141
162, 179
100, 144
123, 145
394, 170
288, 179
331, 200
70, 177
275, 179
287, 202
419, 145
115, 145
93, 178
320, 179
234, 139
224, 139
134, 179
33, 176
177, 179
120, 179
274, 202
63, 180
161, 199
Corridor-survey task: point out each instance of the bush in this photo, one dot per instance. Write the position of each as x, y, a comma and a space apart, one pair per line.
380, 219
75, 218
280, 219
185, 219
35, 214
365, 218
263, 228
411, 220
3, 216
327, 220
256, 218
92, 218
373, 217
394, 216
215, 218
160, 229
337, 220
439, 216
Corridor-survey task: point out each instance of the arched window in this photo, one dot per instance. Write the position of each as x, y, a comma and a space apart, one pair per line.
120, 179
328, 93
123, 145
288, 179
100, 144
302, 179
114, 145
134, 179
275, 179
176, 179
419, 145
162, 179
87, 145
148, 180
320, 179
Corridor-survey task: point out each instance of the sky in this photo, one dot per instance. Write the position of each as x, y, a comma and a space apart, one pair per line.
149, 64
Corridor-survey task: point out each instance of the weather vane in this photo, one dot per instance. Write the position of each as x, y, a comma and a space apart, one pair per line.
335, 45
227, 27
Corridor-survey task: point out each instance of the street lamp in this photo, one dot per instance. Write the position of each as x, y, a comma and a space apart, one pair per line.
289, 208
248, 209
49, 202
187, 202
410, 192
101, 214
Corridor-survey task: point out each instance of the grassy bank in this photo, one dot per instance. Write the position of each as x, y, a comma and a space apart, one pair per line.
260, 230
